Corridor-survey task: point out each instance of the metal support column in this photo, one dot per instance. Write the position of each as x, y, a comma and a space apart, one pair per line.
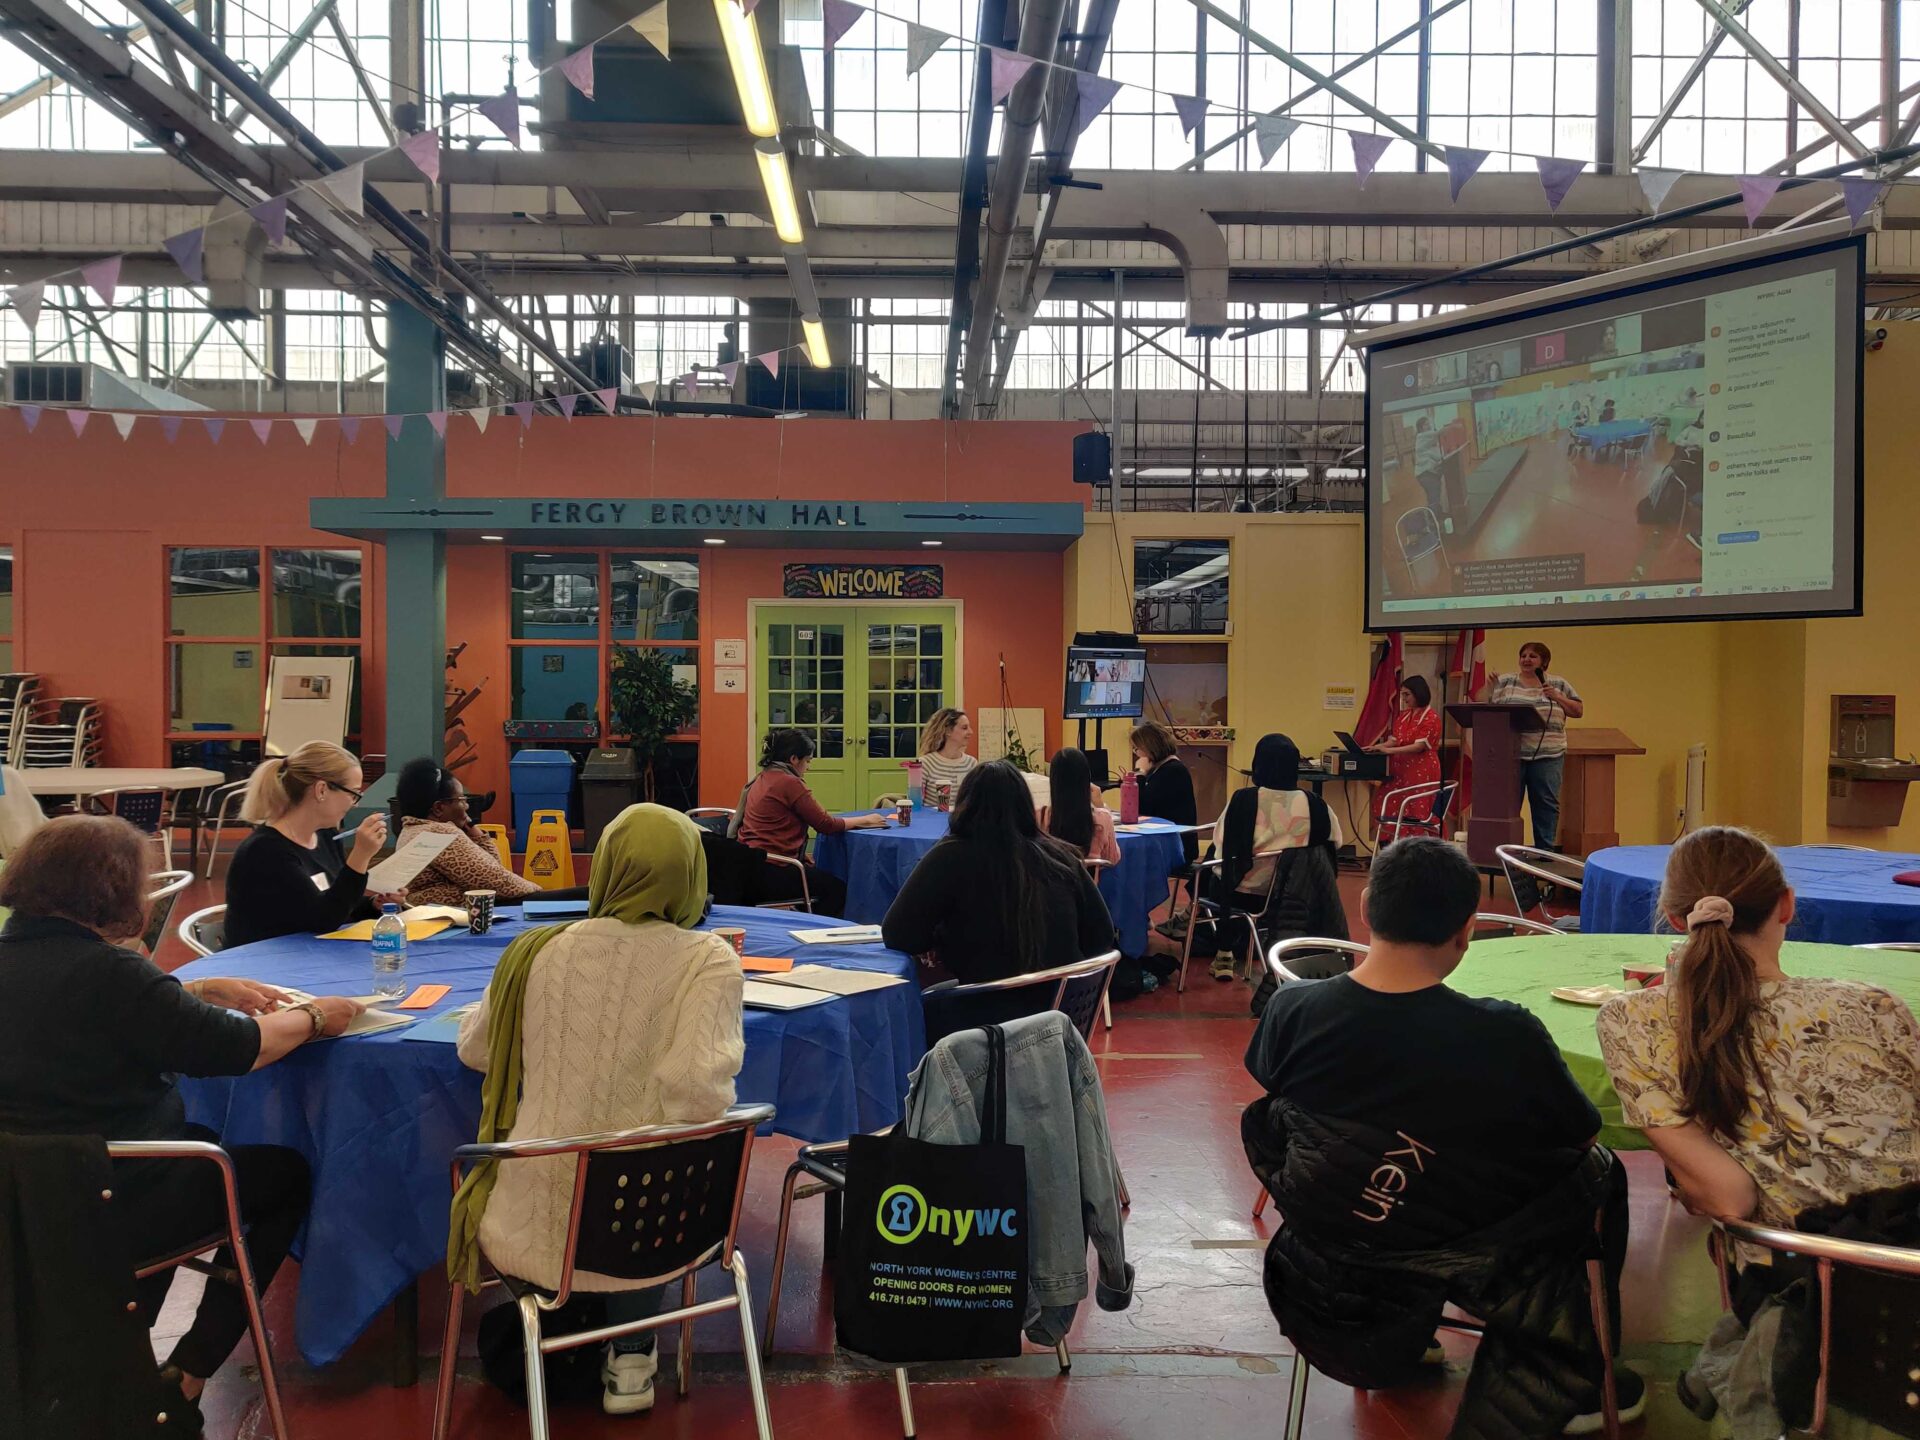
1613, 85
1119, 335
1889, 72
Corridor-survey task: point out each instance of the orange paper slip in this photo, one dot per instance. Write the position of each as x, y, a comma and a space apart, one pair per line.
764, 965
425, 997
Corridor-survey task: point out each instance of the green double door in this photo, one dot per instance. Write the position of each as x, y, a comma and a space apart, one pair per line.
861, 681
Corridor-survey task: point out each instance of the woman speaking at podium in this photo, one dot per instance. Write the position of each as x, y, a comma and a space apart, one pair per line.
1543, 754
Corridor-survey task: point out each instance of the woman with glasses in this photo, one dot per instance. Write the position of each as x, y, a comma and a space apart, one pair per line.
430, 797
292, 875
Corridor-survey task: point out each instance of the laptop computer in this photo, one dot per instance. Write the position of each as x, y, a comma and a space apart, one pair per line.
1348, 743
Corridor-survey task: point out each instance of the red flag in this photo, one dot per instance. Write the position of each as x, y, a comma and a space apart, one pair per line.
1470, 664
1382, 691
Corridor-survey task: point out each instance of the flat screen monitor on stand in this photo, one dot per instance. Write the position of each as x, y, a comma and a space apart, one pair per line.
1106, 680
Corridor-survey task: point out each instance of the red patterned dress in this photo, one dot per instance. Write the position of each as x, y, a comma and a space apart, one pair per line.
1411, 767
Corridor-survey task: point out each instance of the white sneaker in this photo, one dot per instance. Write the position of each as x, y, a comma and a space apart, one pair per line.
628, 1382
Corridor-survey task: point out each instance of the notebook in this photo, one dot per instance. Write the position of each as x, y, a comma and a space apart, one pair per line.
833, 981
764, 995
554, 909
839, 935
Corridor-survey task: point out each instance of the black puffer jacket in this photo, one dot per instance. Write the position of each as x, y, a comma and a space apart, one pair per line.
1306, 901
1364, 1314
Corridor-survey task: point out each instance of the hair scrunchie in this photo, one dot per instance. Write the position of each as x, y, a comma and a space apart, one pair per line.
1710, 910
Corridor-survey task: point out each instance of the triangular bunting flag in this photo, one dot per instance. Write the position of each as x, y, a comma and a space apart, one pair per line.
1755, 193
26, 302
652, 27
730, 372
578, 68
306, 427
78, 420
30, 414
424, 151
393, 424
261, 429
771, 360
648, 389
272, 215
1096, 93
748, 5
609, 399
350, 427
1367, 150
837, 17
480, 415
1861, 193
1654, 184
438, 420
1557, 177
567, 404
216, 427
103, 277
170, 427
923, 43
347, 188
524, 409
1008, 68
189, 253
1462, 162
124, 423
1192, 111
504, 112
1271, 132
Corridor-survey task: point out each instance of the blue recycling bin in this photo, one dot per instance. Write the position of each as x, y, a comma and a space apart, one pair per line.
541, 780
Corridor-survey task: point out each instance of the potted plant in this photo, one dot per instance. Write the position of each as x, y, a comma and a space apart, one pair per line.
648, 705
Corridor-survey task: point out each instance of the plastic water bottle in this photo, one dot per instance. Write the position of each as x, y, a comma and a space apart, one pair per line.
389, 952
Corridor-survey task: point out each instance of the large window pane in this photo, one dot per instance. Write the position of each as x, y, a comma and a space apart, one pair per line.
556, 597
686, 669
555, 682
1180, 587
656, 597
214, 687
214, 592
353, 699
316, 593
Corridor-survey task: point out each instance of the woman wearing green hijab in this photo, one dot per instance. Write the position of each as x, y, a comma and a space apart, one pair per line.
630, 1017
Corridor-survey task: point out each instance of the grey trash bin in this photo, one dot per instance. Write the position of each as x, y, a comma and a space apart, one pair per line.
609, 783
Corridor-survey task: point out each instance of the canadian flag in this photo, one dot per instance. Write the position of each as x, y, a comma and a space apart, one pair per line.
1470, 664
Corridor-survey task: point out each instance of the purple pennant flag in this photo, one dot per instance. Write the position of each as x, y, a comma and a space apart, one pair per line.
1755, 193
578, 68
567, 403
350, 427
730, 372
393, 424
524, 409
1270, 132
272, 215
748, 6
1008, 68
424, 151
1861, 194
1461, 165
103, 277
78, 420
771, 360
216, 427
1557, 177
31, 415
189, 253
170, 427
438, 420
26, 302
261, 429
504, 112
1192, 111
837, 17
609, 398
1096, 93
1367, 150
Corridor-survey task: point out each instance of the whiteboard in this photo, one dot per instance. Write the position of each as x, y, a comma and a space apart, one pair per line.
307, 697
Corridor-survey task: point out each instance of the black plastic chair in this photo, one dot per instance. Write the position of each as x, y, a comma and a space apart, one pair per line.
1076, 990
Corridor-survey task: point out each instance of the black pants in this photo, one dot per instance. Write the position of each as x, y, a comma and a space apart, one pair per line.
173, 1203
782, 882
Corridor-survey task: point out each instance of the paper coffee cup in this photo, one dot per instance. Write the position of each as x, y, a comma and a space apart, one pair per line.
479, 911
734, 936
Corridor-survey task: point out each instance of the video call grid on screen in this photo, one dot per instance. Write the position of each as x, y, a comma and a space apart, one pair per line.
1105, 684
1682, 450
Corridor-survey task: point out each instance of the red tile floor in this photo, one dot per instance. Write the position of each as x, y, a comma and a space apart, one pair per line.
1196, 1354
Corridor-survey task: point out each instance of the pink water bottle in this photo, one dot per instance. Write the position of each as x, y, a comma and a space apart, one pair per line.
1129, 798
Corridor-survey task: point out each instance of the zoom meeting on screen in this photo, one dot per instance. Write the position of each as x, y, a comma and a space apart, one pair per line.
1686, 451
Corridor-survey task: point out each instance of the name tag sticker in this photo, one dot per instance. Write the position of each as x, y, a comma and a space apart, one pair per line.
321, 883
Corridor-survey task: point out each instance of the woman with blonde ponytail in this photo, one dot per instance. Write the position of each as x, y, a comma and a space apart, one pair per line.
1763, 1091
292, 875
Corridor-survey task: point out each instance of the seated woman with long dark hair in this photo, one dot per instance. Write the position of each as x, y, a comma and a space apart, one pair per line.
777, 810
996, 897
429, 797
1073, 812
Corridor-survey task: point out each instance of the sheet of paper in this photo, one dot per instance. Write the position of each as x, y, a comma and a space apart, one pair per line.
835, 982
763, 995
765, 965
442, 1029
416, 851
839, 935
425, 997
452, 914
363, 930
368, 1022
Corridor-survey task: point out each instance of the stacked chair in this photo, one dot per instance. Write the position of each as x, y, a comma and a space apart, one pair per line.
62, 734
17, 692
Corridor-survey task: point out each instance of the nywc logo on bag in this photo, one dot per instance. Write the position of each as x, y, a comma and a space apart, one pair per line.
904, 1215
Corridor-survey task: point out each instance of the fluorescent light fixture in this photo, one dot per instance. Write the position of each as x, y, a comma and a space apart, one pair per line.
742, 39
493, 537
712, 540
933, 542
816, 333
777, 178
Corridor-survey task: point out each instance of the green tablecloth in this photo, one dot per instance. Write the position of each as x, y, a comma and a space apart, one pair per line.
1527, 968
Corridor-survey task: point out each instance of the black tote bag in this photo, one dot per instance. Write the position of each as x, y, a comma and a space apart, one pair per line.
933, 1254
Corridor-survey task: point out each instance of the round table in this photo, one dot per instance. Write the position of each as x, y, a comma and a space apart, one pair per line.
1843, 897
876, 863
378, 1116
1526, 968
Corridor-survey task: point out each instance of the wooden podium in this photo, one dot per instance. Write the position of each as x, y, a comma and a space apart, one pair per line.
1586, 794
1498, 745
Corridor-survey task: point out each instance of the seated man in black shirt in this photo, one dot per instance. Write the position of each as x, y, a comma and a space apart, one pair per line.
1427, 1147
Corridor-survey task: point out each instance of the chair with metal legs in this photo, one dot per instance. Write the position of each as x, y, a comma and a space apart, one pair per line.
1094, 867
230, 1242
219, 811
1221, 914
650, 1206
1564, 872
167, 885
203, 931
805, 902
1514, 924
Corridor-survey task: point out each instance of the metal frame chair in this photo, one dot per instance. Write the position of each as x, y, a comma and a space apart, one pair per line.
1433, 823
1221, 915
1516, 922
147, 808
805, 902
217, 813
232, 1239
1079, 1001
1094, 867
1531, 860
1825, 1251
200, 927
604, 1166
160, 906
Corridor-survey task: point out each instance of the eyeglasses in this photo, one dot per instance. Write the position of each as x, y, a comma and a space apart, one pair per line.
358, 795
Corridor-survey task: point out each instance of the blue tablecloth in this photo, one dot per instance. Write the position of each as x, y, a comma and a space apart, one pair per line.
1600, 434
876, 863
1844, 897
378, 1116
